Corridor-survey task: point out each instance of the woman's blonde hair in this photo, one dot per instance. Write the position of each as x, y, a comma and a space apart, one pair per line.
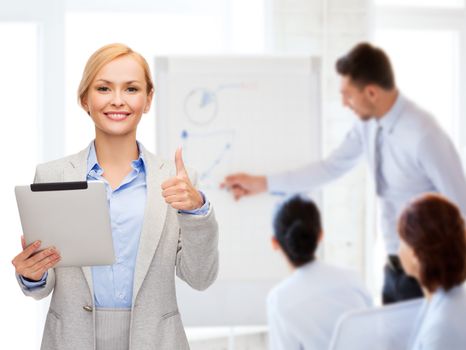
105, 55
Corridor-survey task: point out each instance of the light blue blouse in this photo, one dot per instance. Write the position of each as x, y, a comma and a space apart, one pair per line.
441, 322
113, 285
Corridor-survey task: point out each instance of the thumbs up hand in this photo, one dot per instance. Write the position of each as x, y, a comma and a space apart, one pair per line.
178, 191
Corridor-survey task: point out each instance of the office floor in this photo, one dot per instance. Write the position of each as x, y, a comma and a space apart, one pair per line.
227, 338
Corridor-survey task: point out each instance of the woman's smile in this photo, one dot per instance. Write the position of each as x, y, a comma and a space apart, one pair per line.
117, 116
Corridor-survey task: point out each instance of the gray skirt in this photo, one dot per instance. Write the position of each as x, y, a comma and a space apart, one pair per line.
112, 328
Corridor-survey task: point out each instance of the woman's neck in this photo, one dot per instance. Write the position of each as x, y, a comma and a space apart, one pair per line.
116, 151
427, 293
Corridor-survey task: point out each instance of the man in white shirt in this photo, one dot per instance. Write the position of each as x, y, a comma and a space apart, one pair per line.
406, 149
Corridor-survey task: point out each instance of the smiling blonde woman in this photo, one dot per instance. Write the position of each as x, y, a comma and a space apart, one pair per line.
161, 225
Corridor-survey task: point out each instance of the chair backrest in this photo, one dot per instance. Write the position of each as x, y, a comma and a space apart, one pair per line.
381, 328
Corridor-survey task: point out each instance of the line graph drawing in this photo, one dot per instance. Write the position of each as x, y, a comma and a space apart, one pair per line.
208, 152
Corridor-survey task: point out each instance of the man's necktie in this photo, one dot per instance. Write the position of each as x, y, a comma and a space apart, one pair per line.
380, 183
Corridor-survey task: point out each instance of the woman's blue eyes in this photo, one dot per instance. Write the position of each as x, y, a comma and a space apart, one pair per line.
107, 89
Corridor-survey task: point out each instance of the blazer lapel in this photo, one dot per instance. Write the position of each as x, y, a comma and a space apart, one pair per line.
75, 170
154, 217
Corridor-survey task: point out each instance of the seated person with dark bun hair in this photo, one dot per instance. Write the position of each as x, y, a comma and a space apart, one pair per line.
433, 250
304, 308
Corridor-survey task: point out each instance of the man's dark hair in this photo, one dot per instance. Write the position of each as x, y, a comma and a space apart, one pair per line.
366, 64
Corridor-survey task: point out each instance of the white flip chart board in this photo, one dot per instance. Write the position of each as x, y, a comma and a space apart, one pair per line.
238, 114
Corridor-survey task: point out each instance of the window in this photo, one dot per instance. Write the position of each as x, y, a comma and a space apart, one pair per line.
422, 3
426, 75
19, 151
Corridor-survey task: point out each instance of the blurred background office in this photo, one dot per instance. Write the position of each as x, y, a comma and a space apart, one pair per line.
44, 45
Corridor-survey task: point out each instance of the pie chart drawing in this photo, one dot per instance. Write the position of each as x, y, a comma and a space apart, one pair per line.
201, 106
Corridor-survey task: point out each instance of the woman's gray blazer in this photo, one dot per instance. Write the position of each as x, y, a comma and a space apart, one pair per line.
170, 242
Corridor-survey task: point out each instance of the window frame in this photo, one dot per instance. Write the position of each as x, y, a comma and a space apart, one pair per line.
418, 18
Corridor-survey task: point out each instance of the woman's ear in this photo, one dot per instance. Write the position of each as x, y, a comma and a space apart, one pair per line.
415, 266
321, 236
415, 260
275, 244
85, 106
150, 95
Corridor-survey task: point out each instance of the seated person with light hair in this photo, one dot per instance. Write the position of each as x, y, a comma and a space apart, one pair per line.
433, 251
304, 308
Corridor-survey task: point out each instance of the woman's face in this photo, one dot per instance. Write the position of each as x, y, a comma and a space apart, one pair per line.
117, 97
409, 260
